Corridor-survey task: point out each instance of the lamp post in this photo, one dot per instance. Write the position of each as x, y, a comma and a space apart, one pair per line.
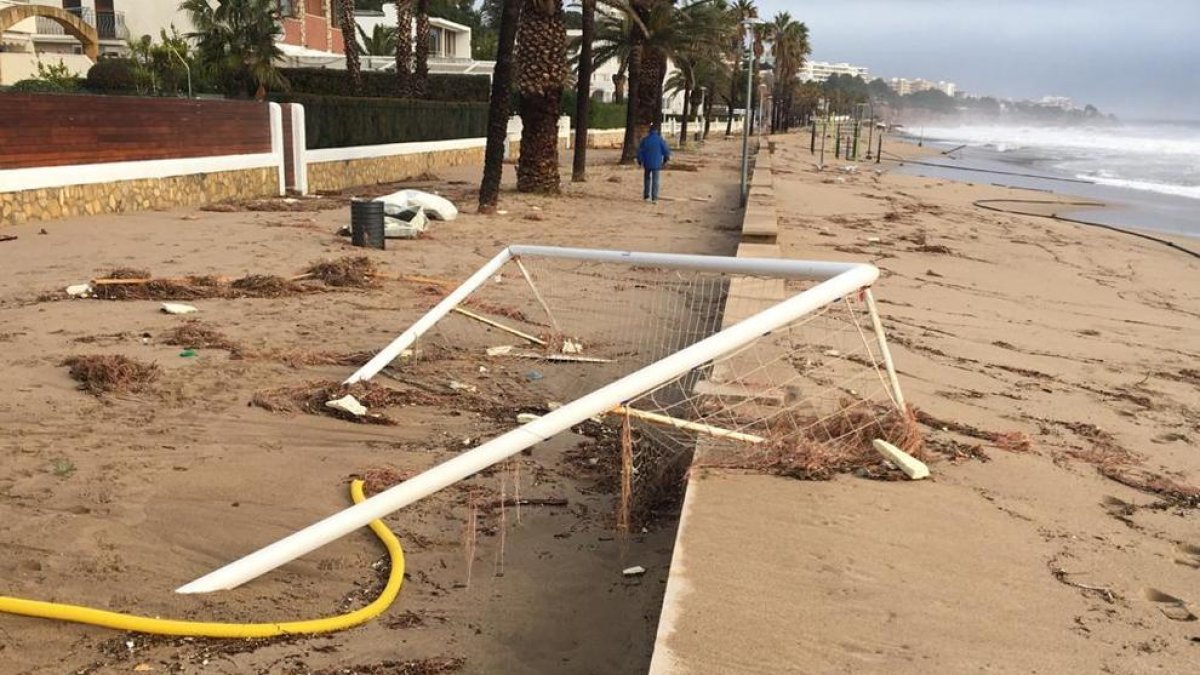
748, 25
186, 67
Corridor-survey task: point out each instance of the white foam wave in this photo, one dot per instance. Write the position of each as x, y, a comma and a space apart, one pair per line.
1131, 140
1192, 191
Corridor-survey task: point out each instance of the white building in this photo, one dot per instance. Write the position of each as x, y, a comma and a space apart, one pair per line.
43, 39
604, 88
904, 86
819, 71
1061, 102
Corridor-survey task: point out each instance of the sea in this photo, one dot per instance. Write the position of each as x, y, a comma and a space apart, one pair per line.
1148, 171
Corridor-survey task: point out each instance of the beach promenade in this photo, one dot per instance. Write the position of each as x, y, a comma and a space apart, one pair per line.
1054, 365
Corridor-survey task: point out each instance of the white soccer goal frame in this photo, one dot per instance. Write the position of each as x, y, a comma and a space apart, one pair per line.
836, 280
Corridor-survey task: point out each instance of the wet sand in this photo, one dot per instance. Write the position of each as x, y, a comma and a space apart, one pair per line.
114, 501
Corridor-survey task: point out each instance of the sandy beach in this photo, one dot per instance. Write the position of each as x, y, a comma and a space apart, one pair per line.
1056, 367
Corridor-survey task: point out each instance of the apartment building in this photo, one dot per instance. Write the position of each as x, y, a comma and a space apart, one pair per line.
819, 71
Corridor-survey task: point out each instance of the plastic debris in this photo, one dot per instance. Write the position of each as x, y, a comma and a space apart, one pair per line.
188, 353
438, 208
526, 418
572, 347
635, 571
178, 308
500, 350
348, 404
80, 291
461, 386
533, 376
911, 466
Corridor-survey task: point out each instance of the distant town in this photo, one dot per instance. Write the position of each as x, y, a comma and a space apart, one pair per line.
820, 71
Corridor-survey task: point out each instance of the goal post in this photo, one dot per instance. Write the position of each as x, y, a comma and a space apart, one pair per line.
686, 361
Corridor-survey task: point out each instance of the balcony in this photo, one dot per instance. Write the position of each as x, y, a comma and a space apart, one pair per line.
108, 25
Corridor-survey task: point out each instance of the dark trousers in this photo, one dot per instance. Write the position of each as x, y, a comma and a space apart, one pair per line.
650, 184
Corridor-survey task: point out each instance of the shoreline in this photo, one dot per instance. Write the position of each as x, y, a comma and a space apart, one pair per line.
1142, 210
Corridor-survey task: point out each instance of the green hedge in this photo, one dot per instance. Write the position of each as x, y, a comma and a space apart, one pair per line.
340, 121
600, 115
329, 82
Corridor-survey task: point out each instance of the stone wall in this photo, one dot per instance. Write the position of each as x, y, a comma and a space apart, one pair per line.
24, 206
606, 138
346, 173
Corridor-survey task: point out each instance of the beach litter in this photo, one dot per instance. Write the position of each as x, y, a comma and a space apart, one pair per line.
635, 571
178, 308
348, 404
80, 291
436, 207
911, 466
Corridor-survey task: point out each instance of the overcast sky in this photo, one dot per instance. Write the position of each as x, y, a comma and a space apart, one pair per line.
1137, 58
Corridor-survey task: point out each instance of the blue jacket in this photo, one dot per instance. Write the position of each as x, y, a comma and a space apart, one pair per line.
653, 152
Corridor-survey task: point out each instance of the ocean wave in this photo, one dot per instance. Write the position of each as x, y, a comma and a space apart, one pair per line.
1192, 191
1133, 140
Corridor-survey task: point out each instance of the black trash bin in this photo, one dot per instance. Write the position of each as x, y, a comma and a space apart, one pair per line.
366, 223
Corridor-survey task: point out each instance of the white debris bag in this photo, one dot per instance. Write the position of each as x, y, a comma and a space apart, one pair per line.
438, 208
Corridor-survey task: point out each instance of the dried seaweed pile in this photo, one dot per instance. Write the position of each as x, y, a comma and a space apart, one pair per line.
311, 397
819, 448
199, 288
345, 272
195, 334
137, 284
111, 373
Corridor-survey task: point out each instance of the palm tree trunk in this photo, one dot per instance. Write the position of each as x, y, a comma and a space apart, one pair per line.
421, 67
541, 71
733, 97
630, 143
648, 102
583, 92
708, 106
499, 108
404, 48
687, 113
350, 40
619, 82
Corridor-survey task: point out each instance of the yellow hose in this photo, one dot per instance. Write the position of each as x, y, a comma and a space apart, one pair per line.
145, 624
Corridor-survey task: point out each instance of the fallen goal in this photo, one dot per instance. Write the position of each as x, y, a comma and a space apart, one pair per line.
756, 363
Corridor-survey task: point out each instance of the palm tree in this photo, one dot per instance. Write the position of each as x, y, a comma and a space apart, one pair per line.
381, 41
541, 73
738, 12
583, 91
235, 41
611, 42
789, 46
404, 48
421, 68
350, 43
499, 108
660, 32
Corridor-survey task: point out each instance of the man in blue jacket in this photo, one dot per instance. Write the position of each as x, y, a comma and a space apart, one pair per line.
652, 156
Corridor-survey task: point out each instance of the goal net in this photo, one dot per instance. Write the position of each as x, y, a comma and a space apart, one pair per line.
665, 361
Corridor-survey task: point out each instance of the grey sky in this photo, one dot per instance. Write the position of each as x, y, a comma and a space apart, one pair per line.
1138, 58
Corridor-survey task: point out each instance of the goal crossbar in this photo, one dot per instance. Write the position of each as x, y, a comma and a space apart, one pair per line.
836, 280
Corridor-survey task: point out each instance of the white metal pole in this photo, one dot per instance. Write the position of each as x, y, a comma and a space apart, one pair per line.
405, 339
506, 445
884, 351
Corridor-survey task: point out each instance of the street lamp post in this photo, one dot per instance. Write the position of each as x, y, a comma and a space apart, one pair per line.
748, 25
